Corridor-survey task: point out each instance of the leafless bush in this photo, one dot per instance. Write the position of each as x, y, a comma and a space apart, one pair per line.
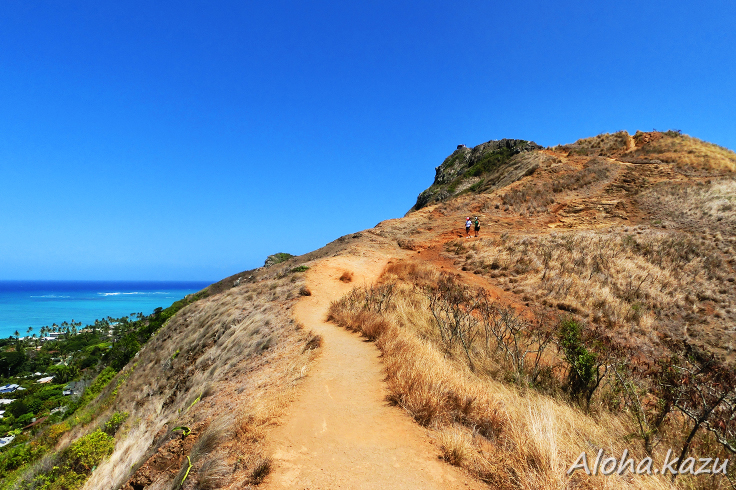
636, 384
469, 318
373, 298
453, 306
313, 341
520, 343
705, 392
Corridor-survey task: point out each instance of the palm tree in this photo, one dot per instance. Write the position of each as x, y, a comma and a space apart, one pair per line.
17, 335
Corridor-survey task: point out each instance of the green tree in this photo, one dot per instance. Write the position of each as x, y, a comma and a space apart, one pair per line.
124, 349
586, 368
64, 374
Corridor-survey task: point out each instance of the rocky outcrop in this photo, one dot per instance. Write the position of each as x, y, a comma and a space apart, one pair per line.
477, 169
277, 259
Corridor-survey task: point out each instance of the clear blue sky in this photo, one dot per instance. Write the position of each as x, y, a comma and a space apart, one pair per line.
188, 140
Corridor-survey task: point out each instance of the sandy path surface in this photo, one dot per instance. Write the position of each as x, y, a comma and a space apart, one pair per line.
341, 433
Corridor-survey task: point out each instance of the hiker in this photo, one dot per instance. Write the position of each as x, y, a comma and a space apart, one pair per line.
477, 226
468, 223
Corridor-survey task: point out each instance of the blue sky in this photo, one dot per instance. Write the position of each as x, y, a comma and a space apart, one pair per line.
188, 140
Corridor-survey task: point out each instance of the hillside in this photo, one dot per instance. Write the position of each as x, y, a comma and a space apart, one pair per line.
599, 266
491, 165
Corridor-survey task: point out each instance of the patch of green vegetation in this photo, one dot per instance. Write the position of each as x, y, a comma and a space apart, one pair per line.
184, 430
277, 258
475, 187
105, 348
115, 421
583, 374
102, 380
75, 464
301, 268
490, 161
453, 158
19, 455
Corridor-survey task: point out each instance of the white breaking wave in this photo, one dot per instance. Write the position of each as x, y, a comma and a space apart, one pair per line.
133, 292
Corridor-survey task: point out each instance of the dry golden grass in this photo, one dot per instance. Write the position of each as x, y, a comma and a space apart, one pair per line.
604, 144
668, 147
637, 282
508, 438
686, 151
698, 207
536, 195
412, 272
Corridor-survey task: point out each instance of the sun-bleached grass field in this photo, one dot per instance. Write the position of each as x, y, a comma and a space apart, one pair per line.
505, 435
638, 282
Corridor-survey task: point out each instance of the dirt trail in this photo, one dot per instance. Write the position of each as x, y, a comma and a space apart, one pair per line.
341, 433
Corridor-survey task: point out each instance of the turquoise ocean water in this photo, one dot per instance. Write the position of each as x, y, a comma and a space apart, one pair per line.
36, 304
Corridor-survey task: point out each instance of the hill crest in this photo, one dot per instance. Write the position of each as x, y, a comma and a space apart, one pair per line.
498, 163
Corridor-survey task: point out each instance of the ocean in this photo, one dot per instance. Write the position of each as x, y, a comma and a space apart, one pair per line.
37, 304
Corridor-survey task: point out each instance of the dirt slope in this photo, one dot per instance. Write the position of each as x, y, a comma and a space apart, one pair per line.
341, 433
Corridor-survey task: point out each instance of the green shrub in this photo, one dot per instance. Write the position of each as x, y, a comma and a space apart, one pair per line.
89, 451
24, 419
69, 480
301, 268
16, 456
73, 466
124, 350
116, 420
99, 384
583, 375
277, 258
56, 431
17, 408
475, 187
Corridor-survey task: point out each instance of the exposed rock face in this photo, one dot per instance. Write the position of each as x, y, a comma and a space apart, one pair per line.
477, 169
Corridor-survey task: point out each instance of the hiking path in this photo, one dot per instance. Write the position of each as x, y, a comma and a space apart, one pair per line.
341, 432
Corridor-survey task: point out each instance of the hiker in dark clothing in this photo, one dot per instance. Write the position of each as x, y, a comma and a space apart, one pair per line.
477, 226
